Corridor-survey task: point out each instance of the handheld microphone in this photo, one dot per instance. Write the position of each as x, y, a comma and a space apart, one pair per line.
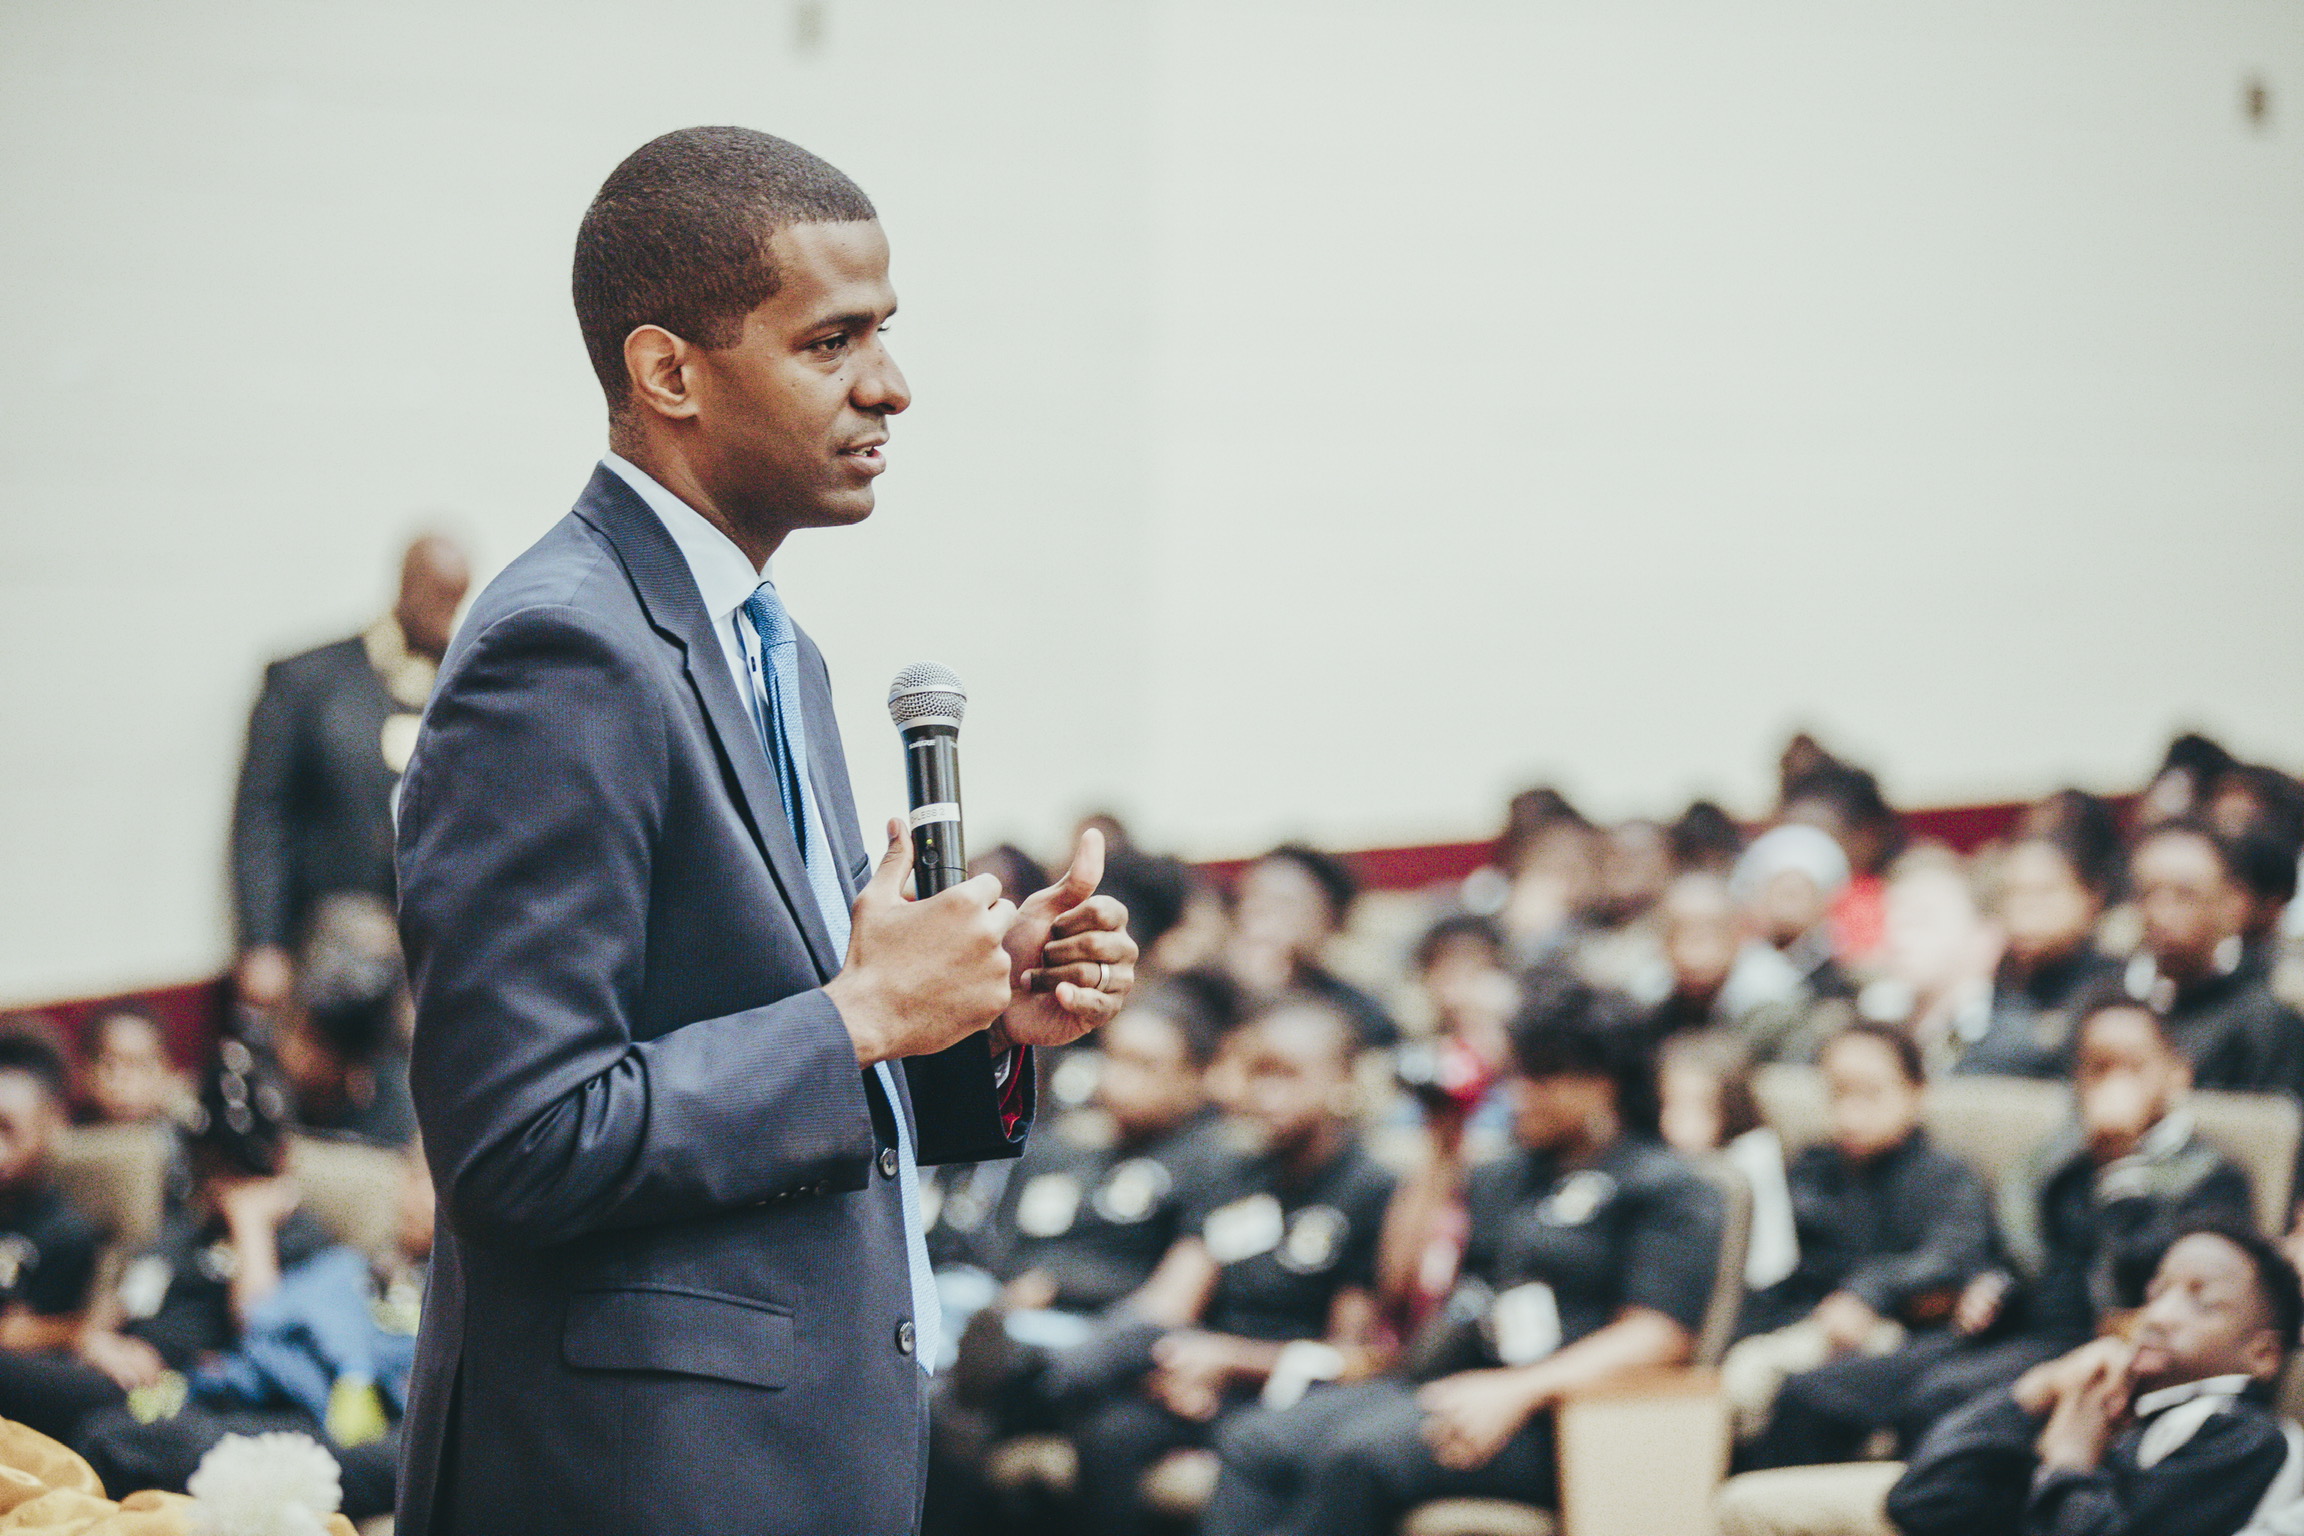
927, 702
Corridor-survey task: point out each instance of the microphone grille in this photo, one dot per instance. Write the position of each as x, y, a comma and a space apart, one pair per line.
927, 694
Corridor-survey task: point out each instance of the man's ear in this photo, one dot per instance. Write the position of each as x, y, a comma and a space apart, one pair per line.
2265, 1359
657, 362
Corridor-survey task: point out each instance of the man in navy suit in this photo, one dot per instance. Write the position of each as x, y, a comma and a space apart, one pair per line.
676, 1060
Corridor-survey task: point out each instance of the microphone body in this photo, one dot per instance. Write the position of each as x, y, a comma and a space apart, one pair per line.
932, 775
927, 703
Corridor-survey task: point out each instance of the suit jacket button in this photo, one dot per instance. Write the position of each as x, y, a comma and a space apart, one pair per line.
906, 1338
887, 1162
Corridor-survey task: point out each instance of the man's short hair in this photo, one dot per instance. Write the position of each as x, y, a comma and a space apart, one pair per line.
1339, 886
26, 1048
678, 237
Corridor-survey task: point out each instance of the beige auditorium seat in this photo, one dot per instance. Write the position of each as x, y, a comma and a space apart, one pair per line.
1993, 1123
352, 1190
116, 1176
1641, 1454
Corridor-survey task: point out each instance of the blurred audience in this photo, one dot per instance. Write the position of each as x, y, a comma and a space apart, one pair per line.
128, 1076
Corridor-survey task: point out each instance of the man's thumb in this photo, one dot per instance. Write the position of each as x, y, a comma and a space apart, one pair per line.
895, 867
1086, 873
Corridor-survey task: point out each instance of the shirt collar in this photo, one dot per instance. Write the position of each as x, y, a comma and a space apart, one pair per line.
724, 575
2183, 1392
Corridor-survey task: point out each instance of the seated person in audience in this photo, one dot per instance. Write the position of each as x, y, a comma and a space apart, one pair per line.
1845, 800
1551, 869
1291, 904
1787, 990
2080, 1224
1702, 934
1621, 941
1890, 1229
1094, 1204
1456, 1073
1284, 1252
1936, 956
1709, 1108
258, 1320
342, 1047
1594, 1252
129, 1078
1085, 1216
2221, 1011
1705, 840
2169, 1431
47, 1251
2052, 886
2262, 811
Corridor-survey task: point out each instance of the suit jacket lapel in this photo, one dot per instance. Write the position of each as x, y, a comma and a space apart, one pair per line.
660, 575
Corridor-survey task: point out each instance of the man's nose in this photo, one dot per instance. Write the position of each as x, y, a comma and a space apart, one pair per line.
880, 386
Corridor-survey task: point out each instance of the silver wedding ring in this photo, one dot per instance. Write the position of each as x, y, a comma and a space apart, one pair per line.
1103, 977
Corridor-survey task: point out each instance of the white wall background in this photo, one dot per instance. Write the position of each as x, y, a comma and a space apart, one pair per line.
1339, 411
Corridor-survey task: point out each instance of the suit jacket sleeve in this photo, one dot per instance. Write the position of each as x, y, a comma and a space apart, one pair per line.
261, 816
530, 820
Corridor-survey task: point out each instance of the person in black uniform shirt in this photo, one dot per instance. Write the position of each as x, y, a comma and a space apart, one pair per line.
1282, 1252
2082, 1221
47, 1252
327, 742
1890, 1227
2170, 1431
2052, 887
1593, 1251
1292, 902
1084, 1217
2193, 965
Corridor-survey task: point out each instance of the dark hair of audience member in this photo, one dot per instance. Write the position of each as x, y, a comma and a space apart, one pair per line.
1705, 840
1529, 817
1864, 822
37, 1053
351, 1002
678, 237
1337, 883
1722, 1057
2112, 996
2200, 759
1566, 1027
2084, 830
1152, 887
1900, 1046
1462, 928
2277, 1283
1204, 1004
1018, 872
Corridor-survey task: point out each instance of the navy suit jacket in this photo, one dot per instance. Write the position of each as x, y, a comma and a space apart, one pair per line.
670, 1274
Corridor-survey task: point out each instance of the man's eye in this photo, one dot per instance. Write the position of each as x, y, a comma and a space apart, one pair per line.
833, 344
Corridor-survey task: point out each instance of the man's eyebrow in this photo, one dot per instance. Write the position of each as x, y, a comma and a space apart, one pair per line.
853, 320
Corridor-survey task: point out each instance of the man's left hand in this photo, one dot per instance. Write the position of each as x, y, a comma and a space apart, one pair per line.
1070, 959
1469, 1416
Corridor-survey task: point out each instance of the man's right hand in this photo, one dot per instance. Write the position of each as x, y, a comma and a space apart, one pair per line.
921, 975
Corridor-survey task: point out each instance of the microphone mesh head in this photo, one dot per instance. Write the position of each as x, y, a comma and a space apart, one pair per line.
927, 694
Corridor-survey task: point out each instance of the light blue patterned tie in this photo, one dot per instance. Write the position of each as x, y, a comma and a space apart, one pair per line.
786, 735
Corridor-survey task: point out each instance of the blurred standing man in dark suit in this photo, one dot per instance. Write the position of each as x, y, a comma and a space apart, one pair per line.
677, 1064
328, 741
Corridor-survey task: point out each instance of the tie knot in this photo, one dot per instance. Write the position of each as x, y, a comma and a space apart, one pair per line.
766, 611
